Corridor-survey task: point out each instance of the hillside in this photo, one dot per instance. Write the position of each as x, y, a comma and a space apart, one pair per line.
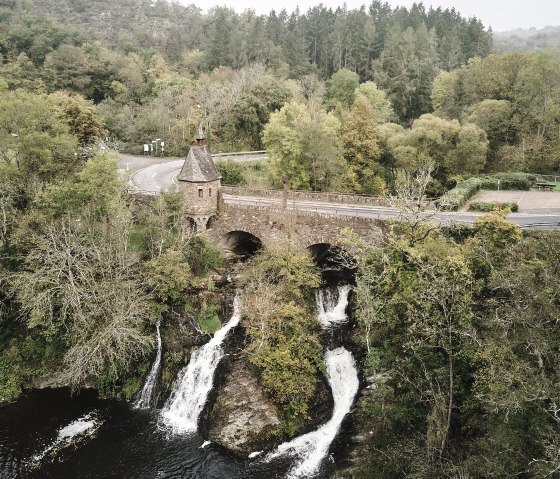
527, 39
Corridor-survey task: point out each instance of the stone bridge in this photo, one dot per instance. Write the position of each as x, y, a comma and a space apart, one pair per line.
243, 229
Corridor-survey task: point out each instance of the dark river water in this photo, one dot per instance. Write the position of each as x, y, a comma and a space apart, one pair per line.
127, 444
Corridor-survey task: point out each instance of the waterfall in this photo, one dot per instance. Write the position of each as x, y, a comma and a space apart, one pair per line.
331, 304
311, 448
143, 400
342, 374
187, 400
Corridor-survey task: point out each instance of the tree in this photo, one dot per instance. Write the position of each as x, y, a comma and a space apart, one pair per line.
382, 109
306, 148
451, 147
341, 87
79, 283
80, 116
67, 68
31, 138
279, 317
361, 147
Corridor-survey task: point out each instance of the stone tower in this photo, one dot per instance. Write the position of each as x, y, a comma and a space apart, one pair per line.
200, 182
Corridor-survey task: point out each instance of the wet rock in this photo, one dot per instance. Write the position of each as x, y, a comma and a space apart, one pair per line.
243, 419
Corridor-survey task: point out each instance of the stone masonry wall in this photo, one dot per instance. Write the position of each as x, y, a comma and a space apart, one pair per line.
304, 227
193, 203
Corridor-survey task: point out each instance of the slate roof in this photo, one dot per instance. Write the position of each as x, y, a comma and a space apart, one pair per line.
199, 166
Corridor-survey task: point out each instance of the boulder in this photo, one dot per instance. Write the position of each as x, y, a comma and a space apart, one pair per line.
243, 419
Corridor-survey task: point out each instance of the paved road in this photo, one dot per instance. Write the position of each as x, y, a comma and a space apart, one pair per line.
160, 177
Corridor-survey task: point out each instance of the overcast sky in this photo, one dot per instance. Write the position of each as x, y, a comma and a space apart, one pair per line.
500, 14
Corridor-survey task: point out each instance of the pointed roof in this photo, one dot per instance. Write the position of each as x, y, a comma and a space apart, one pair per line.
199, 166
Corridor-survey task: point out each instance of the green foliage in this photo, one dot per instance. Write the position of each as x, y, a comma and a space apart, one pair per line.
33, 139
209, 320
361, 138
460, 341
382, 109
458, 196
488, 206
95, 187
169, 276
342, 86
202, 256
465, 189
305, 147
231, 172
282, 332
515, 98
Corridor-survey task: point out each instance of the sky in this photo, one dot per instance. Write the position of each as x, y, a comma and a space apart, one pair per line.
501, 15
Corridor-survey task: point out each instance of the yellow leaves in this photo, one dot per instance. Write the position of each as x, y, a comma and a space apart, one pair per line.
495, 231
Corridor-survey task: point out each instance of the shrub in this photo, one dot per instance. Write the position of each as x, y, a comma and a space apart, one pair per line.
465, 189
232, 172
489, 206
459, 195
506, 181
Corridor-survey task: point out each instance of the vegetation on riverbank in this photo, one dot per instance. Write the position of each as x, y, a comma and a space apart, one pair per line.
461, 343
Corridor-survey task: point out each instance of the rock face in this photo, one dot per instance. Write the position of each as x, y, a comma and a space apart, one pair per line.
243, 418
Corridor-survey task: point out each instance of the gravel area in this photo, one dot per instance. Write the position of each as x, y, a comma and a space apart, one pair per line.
529, 201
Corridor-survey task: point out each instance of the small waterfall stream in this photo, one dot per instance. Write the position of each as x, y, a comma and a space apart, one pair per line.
145, 396
182, 409
332, 303
342, 374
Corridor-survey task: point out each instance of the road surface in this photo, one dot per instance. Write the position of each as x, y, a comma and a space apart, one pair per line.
160, 177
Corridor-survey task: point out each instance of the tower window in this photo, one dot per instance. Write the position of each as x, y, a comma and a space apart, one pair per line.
210, 192
200, 193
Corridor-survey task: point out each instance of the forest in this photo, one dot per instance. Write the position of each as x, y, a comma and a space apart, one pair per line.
455, 329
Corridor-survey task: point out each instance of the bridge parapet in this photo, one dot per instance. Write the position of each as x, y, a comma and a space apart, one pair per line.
311, 196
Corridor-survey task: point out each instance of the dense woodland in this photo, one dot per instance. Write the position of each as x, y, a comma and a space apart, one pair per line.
456, 330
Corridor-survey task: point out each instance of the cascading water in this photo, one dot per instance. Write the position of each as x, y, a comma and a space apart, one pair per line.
182, 409
311, 448
332, 304
143, 400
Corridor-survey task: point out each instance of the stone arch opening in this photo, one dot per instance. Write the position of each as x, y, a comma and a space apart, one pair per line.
190, 225
336, 264
211, 221
241, 243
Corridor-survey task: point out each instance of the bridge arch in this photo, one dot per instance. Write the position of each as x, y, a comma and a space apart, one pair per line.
336, 264
241, 243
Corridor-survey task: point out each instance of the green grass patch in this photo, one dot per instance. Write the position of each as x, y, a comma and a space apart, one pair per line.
208, 319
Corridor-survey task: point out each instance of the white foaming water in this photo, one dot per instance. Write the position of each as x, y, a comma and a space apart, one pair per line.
332, 305
84, 425
311, 448
143, 400
187, 400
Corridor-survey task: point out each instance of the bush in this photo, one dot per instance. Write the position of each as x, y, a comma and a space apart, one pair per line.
489, 206
507, 181
459, 195
465, 189
232, 172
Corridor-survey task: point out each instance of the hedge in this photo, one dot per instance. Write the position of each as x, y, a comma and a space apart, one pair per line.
458, 196
465, 189
488, 206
